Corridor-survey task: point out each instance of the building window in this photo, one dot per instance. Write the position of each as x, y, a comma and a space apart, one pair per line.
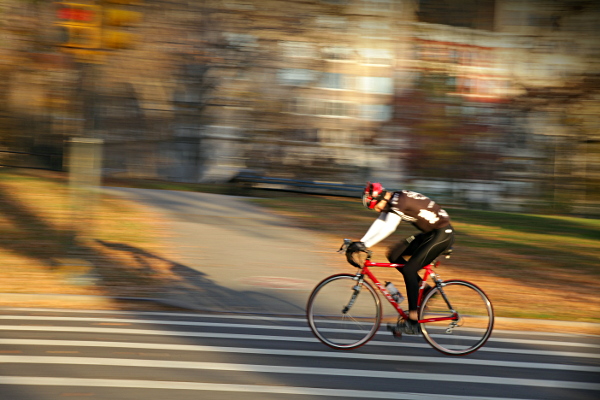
331, 22
376, 85
338, 53
377, 5
336, 2
376, 56
374, 27
322, 108
375, 112
238, 5
296, 76
334, 80
335, 108
240, 40
451, 82
467, 85
468, 57
298, 49
454, 56
302, 106
428, 52
333, 136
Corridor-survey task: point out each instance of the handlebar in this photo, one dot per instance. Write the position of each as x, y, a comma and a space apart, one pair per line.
344, 246
349, 256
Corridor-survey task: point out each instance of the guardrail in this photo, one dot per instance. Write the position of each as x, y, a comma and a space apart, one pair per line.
24, 159
300, 186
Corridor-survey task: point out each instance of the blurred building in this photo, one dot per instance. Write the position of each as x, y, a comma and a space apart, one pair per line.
319, 80
516, 81
552, 58
472, 99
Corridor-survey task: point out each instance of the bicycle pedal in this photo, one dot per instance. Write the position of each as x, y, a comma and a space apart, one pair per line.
395, 333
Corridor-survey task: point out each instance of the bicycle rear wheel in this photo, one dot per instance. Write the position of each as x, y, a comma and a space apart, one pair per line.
343, 313
471, 327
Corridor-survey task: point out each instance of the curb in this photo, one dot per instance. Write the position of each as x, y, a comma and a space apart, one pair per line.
191, 307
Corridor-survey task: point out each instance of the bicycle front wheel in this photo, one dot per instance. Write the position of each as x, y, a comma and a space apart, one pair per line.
458, 319
344, 313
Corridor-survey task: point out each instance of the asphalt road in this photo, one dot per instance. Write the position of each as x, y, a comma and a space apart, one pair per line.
57, 354
235, 256
251, 273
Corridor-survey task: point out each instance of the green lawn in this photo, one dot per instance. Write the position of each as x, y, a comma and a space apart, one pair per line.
533, 266
48, 238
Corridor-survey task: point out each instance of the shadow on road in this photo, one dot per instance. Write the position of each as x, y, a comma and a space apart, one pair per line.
37, 236
188, 288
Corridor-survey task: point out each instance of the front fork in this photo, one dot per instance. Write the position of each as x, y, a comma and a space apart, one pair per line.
355, 291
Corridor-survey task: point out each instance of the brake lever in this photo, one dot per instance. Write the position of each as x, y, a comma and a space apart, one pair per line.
344, 246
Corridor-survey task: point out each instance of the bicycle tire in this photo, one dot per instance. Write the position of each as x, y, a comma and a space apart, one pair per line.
475, 318
336, 328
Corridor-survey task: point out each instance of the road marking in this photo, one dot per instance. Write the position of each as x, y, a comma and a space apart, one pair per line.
227, 387
245, 336
543, 342
256, 317
281, 369
268, 327
296, 353
156, 322
61, 352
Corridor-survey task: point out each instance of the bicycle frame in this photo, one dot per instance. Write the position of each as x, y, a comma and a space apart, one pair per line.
354, 326
428, 273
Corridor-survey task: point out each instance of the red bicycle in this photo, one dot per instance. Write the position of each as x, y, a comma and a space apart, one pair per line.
344, 311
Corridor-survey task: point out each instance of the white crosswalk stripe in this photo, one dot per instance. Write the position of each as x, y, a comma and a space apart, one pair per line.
278, 369
122, 383
229, 350
299, 353
245, 336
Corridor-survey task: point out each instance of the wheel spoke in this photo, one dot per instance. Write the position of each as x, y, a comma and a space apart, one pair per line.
475, 318
333, 326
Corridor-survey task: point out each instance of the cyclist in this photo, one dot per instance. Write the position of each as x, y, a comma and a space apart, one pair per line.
437, 235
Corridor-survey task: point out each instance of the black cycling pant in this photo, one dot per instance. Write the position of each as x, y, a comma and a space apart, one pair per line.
423, 249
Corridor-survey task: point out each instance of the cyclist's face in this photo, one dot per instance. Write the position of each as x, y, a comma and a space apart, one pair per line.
382, 204
379, 207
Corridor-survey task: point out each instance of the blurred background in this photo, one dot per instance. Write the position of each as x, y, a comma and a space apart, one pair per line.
491, 104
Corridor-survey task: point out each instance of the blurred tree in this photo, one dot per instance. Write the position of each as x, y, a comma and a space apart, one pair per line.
444, 143
475, 14
572, 140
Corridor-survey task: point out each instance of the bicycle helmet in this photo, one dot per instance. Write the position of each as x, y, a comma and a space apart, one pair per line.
373, 193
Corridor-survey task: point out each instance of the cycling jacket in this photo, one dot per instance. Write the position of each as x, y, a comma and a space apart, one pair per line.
424, 213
